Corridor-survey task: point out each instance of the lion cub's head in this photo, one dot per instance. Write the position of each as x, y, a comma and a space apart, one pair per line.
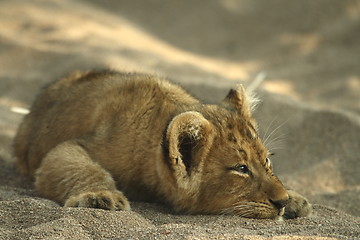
220, 165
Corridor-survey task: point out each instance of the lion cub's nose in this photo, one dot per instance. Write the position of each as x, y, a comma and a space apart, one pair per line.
279, 204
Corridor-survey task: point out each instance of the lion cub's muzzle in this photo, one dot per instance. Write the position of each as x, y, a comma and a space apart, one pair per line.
279, 204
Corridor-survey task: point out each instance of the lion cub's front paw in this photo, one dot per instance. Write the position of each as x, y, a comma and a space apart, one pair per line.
298, 206
109, 200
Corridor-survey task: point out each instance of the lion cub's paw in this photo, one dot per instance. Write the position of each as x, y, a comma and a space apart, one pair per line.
298, 206
109, 200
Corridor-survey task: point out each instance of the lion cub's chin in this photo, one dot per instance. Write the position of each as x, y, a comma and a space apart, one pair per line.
280, 216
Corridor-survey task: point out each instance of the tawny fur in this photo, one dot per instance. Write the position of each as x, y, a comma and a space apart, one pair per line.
92, 134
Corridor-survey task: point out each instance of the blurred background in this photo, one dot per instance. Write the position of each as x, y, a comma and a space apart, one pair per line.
308, 50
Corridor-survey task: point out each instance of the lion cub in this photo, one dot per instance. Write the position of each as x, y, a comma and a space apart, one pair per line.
90, 135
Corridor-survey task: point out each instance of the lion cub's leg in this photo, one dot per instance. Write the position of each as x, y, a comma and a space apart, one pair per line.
68, 175
298, 206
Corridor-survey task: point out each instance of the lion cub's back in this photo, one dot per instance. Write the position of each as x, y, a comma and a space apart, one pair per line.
73, 106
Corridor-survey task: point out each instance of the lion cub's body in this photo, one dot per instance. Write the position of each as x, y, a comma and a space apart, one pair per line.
89, 134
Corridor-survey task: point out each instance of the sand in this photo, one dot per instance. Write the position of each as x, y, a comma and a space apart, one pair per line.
309, 51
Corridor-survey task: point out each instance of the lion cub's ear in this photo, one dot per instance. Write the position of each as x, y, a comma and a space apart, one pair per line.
240, 101
189, 137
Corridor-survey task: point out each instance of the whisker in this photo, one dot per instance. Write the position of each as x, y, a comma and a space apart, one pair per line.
275, 142
268, 142
282, 136
240, 209
267, 129
274, 131
247, 209
248, 214
276, 148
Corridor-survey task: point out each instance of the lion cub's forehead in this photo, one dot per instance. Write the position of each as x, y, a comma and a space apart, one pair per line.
240, 133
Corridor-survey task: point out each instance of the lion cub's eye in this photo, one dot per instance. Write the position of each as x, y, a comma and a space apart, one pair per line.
241, 169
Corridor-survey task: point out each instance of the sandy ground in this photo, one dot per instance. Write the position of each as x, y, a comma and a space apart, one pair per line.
308, 49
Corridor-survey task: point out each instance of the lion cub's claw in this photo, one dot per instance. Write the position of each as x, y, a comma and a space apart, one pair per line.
298, 206
108, 200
